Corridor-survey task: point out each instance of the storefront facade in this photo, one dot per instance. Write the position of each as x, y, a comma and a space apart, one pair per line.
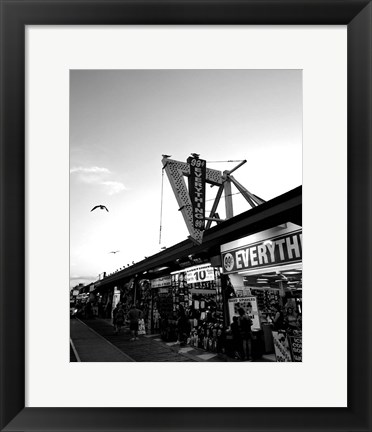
209, 281
265, 271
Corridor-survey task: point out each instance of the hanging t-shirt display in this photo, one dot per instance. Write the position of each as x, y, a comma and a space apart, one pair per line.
198, 291
266, 299
179, 291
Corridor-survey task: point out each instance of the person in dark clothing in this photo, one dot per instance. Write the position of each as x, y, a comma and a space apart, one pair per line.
108, 310
119, 318
245, 324
278, 322
237, 339
183, 326
134, 315
88, 310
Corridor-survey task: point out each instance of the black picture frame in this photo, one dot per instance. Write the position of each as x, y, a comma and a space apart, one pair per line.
15, 15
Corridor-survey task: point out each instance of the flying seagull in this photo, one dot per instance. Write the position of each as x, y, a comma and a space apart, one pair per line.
114, 252
102, 207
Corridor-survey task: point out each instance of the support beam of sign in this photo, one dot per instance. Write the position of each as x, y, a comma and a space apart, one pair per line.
228, 193
214, 219
238, 166
252, 199
214, 207
228, 197
258, 199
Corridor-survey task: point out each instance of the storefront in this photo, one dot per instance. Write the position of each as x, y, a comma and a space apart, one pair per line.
242, 258
265, 271
161, 302
195, 292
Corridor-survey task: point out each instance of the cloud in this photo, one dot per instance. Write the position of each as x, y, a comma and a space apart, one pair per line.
74, 278
114, 187
98, 176
90, 170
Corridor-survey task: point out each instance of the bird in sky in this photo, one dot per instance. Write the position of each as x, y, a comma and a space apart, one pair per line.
114, 252
167, 156
102, 207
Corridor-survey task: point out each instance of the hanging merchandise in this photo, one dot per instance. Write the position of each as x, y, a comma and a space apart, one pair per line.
161, 305
197, 292
141, 327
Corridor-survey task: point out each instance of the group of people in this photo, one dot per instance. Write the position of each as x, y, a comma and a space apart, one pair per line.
241, 329
133, 317
285, 321
92, 309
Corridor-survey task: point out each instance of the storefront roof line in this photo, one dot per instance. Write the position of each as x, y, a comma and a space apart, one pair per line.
282, 209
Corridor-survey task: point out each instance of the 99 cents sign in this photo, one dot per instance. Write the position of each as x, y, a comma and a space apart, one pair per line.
197, 190
203, 274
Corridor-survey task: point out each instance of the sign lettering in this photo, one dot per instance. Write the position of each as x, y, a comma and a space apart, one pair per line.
274, 251
296, 348
161, 282
197, 178
203, 274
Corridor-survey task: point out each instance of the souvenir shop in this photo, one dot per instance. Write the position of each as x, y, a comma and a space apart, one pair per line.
196, 291
253, 261
265, 271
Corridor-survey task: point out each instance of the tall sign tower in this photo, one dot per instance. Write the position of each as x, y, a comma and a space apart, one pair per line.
191, 200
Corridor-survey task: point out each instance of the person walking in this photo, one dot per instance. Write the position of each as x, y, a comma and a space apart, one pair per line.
278, 321
119, 316
134, 316
237, 339
245, 324
183, 326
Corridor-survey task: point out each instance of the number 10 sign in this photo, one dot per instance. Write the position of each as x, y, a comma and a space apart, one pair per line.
200, 274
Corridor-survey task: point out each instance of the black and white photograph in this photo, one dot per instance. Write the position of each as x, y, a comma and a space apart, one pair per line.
198, 175
186, 215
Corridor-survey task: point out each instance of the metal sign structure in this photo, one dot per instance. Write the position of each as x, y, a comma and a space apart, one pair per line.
191, 200
176, 171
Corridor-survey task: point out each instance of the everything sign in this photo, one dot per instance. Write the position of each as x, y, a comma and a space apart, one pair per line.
269, 252
197, 190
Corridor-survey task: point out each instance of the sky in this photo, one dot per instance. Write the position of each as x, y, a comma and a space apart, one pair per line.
122, 121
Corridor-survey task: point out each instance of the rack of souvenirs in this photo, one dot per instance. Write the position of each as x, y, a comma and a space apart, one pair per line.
202, 303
